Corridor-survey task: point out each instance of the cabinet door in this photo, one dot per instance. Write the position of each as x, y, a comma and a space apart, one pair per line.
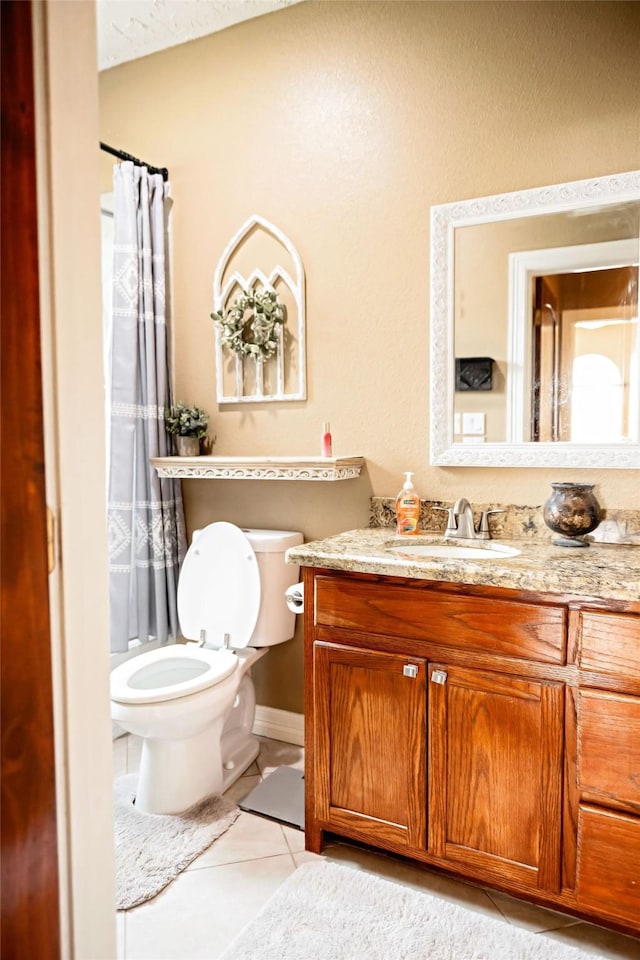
370, 750
496, 775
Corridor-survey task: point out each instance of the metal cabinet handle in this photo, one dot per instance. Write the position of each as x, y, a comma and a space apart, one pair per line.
439, 676
410, 670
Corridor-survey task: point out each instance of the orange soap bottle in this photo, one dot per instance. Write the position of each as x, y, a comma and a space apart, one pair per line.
407, 509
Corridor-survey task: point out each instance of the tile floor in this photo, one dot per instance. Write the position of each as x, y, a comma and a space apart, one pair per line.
201, 912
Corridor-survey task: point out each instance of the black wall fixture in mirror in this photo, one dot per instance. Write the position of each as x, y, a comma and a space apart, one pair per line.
474, 373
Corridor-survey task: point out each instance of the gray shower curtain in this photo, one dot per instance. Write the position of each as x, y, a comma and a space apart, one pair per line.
145, 515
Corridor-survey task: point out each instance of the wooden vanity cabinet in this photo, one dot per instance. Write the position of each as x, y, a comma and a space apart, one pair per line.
454, 725
456, 763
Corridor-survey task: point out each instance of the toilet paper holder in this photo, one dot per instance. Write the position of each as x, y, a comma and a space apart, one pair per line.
294, 596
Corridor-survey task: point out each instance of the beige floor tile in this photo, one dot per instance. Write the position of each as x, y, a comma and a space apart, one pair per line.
244, 785
275, 753
304, 856
294, 838
597, 941
249, 838
198, 915
528, 915
252, 771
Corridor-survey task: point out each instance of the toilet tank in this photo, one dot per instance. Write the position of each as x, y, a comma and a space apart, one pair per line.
276, 623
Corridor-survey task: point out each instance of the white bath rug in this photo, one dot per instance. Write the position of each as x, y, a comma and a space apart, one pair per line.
152, 849
325, 911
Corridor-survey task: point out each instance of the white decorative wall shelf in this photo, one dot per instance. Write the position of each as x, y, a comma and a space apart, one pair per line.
259, 468
283, 376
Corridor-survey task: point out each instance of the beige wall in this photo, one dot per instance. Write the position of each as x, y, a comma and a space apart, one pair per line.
342, 123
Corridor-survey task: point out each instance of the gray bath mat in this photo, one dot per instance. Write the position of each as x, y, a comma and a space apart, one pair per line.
325, 911
152, 849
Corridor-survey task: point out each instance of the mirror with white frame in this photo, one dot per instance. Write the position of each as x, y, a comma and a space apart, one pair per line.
535, 342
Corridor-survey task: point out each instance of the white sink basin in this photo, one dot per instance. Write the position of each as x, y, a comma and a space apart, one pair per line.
453, 551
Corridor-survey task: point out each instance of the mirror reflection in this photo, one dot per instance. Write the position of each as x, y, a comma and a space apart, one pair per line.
539, 311
553, 300
584, 329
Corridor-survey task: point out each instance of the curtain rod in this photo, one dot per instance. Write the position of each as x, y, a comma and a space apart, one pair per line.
121, 155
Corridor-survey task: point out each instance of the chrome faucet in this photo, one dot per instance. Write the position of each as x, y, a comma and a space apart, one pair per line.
464, 516
460, 525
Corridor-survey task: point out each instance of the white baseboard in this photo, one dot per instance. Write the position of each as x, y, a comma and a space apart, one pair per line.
279, 725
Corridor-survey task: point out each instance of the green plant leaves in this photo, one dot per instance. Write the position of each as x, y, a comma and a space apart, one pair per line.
185, 421
250, 325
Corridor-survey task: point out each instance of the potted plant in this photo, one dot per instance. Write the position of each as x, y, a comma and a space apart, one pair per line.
188, 425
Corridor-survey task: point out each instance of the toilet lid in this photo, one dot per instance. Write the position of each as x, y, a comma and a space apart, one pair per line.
219, 587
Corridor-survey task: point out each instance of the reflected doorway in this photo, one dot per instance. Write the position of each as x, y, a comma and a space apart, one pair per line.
585, 356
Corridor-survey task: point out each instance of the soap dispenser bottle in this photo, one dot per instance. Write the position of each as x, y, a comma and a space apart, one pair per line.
407, 509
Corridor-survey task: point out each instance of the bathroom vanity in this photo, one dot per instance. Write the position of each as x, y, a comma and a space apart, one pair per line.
481, 716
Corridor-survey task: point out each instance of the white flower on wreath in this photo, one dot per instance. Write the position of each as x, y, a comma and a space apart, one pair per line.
250, 325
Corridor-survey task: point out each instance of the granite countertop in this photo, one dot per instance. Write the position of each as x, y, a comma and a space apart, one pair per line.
602, 571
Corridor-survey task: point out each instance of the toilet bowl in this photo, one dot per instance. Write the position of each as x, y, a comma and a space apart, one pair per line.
193, 704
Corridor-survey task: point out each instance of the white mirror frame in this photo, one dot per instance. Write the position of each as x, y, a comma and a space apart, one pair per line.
445, 219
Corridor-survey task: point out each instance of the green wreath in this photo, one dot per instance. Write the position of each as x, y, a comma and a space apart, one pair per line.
250, 325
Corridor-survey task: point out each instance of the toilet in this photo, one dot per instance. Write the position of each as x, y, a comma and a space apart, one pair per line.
193, 703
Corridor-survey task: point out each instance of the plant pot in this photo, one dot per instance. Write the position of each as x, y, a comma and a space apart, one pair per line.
188, 446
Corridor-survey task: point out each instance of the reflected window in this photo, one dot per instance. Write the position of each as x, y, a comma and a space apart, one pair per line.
597, 400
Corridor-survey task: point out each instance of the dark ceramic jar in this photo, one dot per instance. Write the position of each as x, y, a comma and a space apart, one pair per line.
572, 510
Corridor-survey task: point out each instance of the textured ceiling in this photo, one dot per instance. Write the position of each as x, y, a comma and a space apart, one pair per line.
128, 29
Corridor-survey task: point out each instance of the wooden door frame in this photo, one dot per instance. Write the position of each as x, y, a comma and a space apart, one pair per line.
30, 881
64, 232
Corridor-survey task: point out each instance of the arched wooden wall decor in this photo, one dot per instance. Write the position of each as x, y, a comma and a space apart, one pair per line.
283, 376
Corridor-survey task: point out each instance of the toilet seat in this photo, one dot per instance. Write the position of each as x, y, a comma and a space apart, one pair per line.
219, 588
170, 672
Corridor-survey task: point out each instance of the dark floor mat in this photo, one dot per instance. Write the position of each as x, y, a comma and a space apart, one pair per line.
279, 797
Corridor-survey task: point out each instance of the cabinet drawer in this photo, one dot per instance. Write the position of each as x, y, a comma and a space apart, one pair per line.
507, 628
610, 643
609, 747
609, 863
